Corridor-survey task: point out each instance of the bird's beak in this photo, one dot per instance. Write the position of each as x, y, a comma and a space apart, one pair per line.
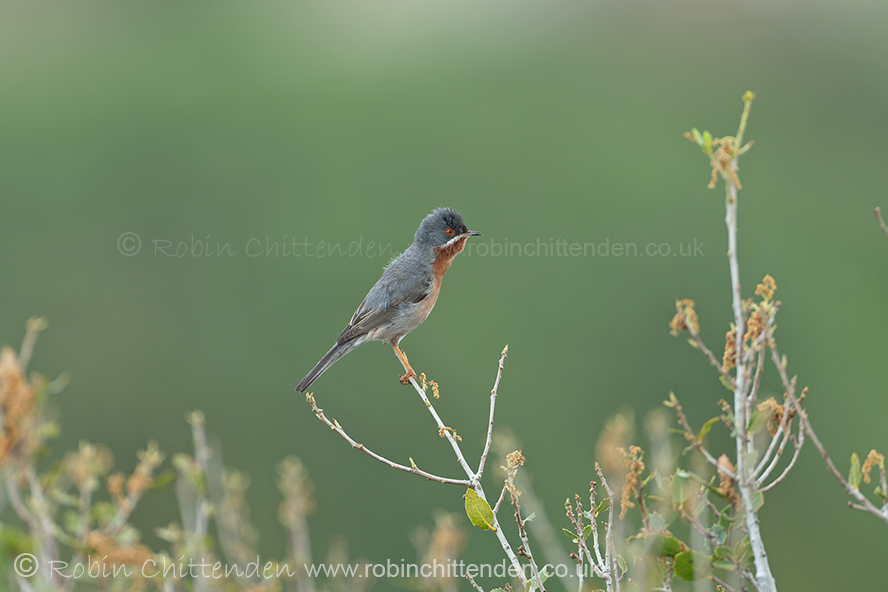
471, 233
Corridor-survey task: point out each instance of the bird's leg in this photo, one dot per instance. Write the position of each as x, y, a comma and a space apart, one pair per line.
403, 357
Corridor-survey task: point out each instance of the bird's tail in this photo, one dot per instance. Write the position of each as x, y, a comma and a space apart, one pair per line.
330, 358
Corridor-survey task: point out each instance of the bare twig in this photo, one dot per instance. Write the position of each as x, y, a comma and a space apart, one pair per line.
43, 513
500, 500
863, 503
473, 481
577, 521
34, 327
695, 442
798, 448
499, 374
878, 213
18, 504
773, 464
597, 563
334, 425
548, 540
780, 435
444, 431
722, 583
610, 548
745, 481
702, 347
524, 549
474, 584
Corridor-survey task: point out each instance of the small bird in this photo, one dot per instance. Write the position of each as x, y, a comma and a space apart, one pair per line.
404, 295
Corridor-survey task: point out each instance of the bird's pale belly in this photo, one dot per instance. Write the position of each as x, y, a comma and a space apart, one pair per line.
410, 316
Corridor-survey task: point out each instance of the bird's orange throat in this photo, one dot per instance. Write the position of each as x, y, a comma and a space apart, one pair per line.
444, 256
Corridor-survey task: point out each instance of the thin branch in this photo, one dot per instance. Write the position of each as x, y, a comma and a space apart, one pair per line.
43, 513
773, 464
524, 549
334, 425
721, 583
500, 500
757, 379
34, 327
745, 483
576, 520
881, 222
444, 430
780, 434
696, 444
863, 503
884, 483
18, 504
798, 448
473, 481
702, 347
474, 585
499, 374
548, 540
82, 528
610, 548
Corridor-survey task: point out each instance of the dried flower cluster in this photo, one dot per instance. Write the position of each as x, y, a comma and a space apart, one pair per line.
634, 463
685, 314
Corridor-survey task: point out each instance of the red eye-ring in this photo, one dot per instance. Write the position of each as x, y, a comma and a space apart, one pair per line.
450, 232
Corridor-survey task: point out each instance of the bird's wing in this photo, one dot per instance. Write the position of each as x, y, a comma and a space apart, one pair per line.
379, 308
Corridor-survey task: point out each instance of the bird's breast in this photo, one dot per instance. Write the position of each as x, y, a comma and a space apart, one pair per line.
444, 257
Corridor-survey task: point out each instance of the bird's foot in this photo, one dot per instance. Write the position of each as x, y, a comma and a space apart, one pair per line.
405, 379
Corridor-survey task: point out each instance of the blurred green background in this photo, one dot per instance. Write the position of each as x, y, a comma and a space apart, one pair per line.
346, 121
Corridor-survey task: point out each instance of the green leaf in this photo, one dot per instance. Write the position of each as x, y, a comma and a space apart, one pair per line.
722, 552
657, 521
529, 518
479, 511
758, 500
163, 479
706, 427
663, 545
622, 563
719, 533
587, 530
532, 582
691, 565
725, 383
724, 564
855, 475
698, 137
603, 506
743, 550
693, 343
707, 143
751, 458
757, 422
726, 519
570, 534
680, 488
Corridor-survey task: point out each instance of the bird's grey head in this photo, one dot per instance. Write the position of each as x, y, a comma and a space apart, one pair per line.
442, 226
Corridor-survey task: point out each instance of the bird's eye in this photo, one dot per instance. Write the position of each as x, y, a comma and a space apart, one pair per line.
450, 232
